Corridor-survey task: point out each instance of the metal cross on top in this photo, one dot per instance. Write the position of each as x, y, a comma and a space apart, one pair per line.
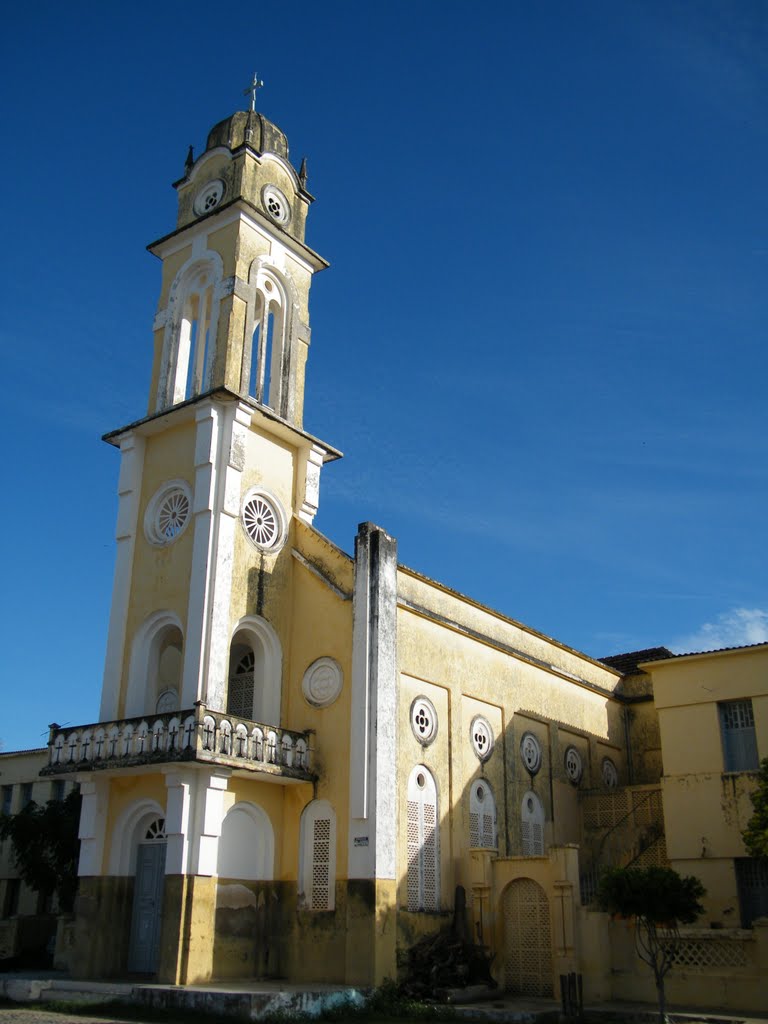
252, 89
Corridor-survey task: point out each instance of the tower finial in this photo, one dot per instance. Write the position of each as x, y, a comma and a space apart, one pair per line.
303, 172
190, 160
255, 85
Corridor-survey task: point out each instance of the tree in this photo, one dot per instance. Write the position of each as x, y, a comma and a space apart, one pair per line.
46, 847
660, 901
755, 835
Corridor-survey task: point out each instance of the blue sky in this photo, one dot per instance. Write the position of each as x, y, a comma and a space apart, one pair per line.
541, 343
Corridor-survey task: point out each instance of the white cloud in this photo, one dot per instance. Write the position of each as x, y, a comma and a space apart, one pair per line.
734, 628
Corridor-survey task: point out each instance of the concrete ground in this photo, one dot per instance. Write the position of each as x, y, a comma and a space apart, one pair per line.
27, 988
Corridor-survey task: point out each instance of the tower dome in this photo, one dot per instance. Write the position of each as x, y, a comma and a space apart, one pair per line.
250, 128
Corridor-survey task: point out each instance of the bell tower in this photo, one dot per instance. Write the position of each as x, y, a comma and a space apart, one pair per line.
214, 476
233, 308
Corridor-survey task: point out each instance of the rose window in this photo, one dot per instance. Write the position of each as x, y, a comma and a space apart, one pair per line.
276, 204
172, 514
573, 765
610, 774
209, 197
168, 512
530, 752
423, 720
262, 521
481, 736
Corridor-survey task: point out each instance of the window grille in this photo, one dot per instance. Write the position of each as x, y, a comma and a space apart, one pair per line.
7, 799
752, 883
321, 859
317, 874
737, 726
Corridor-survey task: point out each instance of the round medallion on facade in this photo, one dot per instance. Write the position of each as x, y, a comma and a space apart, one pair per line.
276, 204
610, 774
168, 512
209, 197
481, 737
530, 752
423, 720
322, 682
574, 767
263, 520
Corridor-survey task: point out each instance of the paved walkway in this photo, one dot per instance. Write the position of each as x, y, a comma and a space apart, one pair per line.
254, 999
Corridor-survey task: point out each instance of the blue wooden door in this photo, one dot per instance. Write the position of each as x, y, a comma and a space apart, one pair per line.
144, 947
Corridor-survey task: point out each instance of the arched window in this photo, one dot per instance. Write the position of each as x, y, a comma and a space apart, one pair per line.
317, 864
242, 665
423, 841
154, 678
482, 815
247, 844
255, 668
195, 342
268, 327
532, 826
190, 331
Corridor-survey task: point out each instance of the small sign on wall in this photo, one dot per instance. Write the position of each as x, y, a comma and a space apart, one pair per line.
361, 840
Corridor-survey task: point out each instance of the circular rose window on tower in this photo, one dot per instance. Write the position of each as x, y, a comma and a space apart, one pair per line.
481, 737
276, 204
263, 520
168, 512
530, 752
209, 197
423, 720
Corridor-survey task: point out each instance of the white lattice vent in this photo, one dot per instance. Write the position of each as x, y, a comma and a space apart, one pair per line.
704, 954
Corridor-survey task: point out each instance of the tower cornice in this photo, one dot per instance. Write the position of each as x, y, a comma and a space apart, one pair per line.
185, 412
227, 213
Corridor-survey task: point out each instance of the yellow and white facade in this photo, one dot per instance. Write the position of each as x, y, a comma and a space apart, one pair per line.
300, 753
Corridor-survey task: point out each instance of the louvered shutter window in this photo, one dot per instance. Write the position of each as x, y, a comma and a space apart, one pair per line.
423, 878
532, 826
482, 816
737, 724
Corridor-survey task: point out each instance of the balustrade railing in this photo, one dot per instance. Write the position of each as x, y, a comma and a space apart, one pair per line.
195, 734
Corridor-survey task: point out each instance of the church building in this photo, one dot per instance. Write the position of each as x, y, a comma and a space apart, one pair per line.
302, 752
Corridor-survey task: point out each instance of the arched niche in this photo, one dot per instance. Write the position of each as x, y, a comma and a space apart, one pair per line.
246, 844
154, 674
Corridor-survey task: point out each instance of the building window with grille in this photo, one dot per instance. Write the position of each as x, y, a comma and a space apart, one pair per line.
532, 826
752, 883
737, 727
482, 816
317, 871
7, 804
423, 841
26, 794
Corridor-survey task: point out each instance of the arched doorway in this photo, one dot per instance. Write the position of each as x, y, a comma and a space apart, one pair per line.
146, 918
527, 939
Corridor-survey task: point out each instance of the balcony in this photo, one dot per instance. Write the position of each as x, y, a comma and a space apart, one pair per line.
197, 735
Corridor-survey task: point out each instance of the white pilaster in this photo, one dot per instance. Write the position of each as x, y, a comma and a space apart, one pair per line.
128, 490
207, 417
179, 819
210, 808
93, 824
373, 737
233, 446
311, 500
